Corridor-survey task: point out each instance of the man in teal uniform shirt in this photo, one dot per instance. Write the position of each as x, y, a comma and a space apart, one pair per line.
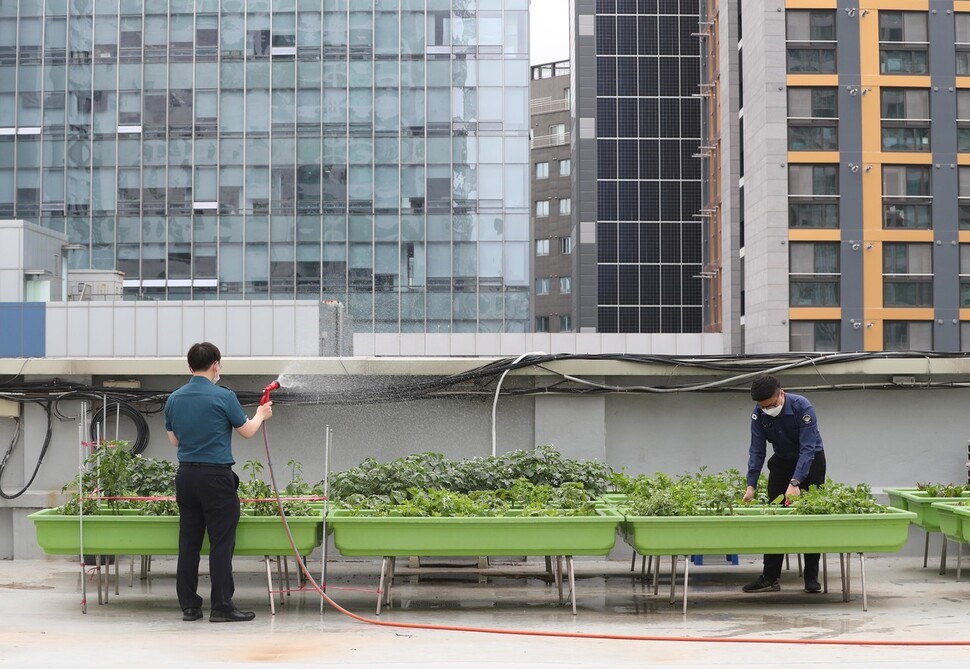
200, 417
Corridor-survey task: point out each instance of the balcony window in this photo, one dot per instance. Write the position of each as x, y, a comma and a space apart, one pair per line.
903, 44
964, 198
565, 323
565, 285
542, 247
542, 324
542, 286
813, 196
965, 275
565, 206
907, 335
907, 274
565, 245
542, 208
810, 40
814, 276
905, 119
565, 167
542, 170
963, 119
814, 336
907, 201
962, 25
813, 123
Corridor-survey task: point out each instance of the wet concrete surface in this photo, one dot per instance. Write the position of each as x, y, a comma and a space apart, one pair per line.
41, 623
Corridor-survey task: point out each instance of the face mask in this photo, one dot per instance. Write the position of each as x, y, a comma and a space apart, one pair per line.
774, 411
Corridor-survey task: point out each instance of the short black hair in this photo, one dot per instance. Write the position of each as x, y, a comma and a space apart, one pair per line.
201, 356
764, 387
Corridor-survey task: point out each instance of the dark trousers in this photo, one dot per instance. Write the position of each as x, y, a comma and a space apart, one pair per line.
208, 502
780, 473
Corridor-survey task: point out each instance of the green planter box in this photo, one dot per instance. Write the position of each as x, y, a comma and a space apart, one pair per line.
953, 521
129, 533
896, 497
753, 532
613, 499
504, 535
927, 516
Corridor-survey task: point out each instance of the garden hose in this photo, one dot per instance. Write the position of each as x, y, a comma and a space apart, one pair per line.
98, 428
40, 459
569, 635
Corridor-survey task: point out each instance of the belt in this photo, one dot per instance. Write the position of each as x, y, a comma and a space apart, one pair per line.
216, 465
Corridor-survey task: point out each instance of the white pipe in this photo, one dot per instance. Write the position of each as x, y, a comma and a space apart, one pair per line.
498, 389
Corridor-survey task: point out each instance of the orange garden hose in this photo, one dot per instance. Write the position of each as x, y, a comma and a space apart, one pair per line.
571, 635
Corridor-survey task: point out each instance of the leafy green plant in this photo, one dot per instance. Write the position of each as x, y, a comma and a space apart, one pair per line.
699, 494
942, 489
543, 465
107, 474
526, 498
836, 498
255, 490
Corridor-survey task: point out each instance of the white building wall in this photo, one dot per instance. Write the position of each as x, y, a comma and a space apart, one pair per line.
168, 329
765, 177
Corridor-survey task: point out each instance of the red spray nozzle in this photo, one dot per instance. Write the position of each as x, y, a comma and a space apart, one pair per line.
267, 390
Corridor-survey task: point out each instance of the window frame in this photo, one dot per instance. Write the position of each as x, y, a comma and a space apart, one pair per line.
903, 46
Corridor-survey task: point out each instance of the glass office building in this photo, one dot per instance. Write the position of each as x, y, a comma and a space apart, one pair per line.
374, 152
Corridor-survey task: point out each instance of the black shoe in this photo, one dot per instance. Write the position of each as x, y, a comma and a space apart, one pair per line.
191, 614
763, 584
233, 616
812, 585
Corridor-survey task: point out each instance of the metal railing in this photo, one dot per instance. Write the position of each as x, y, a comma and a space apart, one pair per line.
543, 141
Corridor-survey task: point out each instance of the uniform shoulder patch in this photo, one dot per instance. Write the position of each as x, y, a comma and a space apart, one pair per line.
807, 418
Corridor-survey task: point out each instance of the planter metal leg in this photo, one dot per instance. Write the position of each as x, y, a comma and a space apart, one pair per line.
286, 575
116, 574
799, 556
84, 588
686, 574
959, 558
269, 586
848, 577
571, 568
279, 577
825, 573
389, 585
862, 573
559, 576
842, 573
656, 573
943, 556
97, 572
673, 577
926, 548
633, 561
380, 585
131, 572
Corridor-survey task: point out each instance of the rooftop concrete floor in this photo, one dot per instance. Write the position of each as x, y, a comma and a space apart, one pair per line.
41, 623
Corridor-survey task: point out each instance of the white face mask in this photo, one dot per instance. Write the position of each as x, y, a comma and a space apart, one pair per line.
774, 411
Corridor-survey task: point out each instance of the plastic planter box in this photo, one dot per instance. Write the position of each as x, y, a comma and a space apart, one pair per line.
953, 520
754, 532
481, 536
927, 515
129, 533
896, 497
